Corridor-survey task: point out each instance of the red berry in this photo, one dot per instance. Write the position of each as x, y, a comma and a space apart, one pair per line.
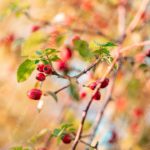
138, 112
97, 96
105, 83
113, 138
83, 95
93, 85
40, 67
67, 138
47, 69
62, 66
40, 77
67, 53
34, 94
148, 53
9, 39
35, 28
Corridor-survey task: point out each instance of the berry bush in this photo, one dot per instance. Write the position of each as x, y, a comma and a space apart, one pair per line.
87, 66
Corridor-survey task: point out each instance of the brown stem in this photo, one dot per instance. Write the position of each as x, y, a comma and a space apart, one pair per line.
64, 87
84, 114
88, 69
101, 113
137, 17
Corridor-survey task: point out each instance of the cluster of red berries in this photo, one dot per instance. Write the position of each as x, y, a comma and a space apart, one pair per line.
92, 86
44, 70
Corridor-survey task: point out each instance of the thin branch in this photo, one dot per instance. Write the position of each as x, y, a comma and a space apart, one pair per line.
89, 145
64, 87
137, 17
88, 69
144, 43
84, 113
101, 113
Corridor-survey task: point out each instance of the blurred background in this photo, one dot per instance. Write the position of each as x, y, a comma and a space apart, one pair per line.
30, 25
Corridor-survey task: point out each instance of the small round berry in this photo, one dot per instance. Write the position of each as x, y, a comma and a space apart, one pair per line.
40, 77
97, 96
47, 69
62, 66
67, 139
113, 138
105, 83
148, 53
9, 39
83, 95
138, 112
40, 67
34, 94
35, 28
93, 85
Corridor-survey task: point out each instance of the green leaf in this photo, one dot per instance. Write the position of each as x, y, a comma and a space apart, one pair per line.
53, 95
54, 58
56, 132
74, 91
39, 52
25, 70
83, 48
32, 44
60, 39
102, 51
50, 51
108, 44
66, 125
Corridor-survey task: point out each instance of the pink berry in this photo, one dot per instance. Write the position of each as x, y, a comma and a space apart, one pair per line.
97, 96
67, 139
62, 66
105, 83
40, 77
35, 28
93, 85
40, 67
47, 69
83, 95
34, 94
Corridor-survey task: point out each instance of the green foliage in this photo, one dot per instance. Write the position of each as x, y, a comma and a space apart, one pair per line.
25, 70
32, 43
74, 90
107, 44
60, 39
83, 48
64, 128
54, 96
